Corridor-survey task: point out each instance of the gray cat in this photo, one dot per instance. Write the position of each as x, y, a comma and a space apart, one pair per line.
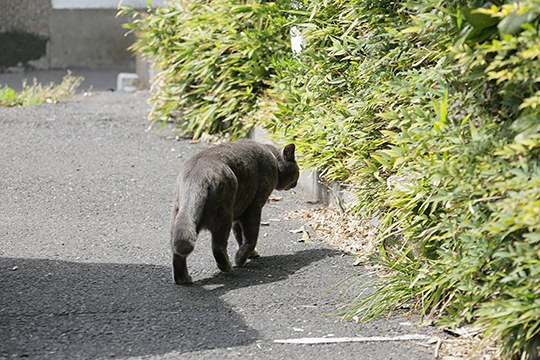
225, 187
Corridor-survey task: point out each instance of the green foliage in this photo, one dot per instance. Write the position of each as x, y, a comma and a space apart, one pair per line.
214, 59
431, 110
37, 93
8, 96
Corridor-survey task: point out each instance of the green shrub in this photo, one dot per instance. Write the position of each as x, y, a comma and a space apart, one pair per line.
430, 110
214, 60
37, 93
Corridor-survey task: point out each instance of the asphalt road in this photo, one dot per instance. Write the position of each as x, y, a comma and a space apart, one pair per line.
85, 194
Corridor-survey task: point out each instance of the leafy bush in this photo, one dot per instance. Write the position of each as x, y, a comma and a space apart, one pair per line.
430, 109
37, 93
214, 59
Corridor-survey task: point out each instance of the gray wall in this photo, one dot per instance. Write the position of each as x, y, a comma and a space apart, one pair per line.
25, 15
95, 39
64, 34
24, 30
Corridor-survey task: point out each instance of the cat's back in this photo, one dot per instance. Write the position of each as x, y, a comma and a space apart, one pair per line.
245, 165
243, 157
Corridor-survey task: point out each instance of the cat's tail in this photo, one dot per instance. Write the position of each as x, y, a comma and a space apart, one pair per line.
183, 238
184, 226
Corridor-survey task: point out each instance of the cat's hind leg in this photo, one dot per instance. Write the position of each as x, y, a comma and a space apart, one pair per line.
183, 237
250, 222
237, 230
180, 271
220, 235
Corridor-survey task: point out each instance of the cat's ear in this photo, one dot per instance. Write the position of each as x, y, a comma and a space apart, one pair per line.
288, 152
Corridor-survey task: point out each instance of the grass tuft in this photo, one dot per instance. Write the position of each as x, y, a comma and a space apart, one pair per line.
37, 93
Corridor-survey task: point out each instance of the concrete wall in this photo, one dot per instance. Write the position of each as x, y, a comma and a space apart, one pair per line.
88, 38
59, 34
103, 4
25, 15
24, 30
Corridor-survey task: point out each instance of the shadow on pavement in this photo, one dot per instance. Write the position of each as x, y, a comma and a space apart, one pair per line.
266, 269
61, 309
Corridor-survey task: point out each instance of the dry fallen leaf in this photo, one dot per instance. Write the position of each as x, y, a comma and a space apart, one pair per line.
297, 231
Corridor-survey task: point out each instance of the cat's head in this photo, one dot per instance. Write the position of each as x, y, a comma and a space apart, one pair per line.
288, 170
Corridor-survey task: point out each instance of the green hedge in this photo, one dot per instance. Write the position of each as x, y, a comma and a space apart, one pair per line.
429, 109
432, 110
214, 59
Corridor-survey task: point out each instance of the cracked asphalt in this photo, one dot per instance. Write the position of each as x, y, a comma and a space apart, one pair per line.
85, 195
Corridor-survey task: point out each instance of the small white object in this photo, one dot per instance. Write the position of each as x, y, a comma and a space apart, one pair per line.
127, 82
406, 323
297, 40
326, 340
298, 231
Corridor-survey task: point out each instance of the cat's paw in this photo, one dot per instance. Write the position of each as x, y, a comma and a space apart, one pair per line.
240, 260
244, 252
183, 280
254, 254
225, 267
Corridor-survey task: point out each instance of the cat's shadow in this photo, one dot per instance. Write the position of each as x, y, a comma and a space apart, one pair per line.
265, 270
53, 309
